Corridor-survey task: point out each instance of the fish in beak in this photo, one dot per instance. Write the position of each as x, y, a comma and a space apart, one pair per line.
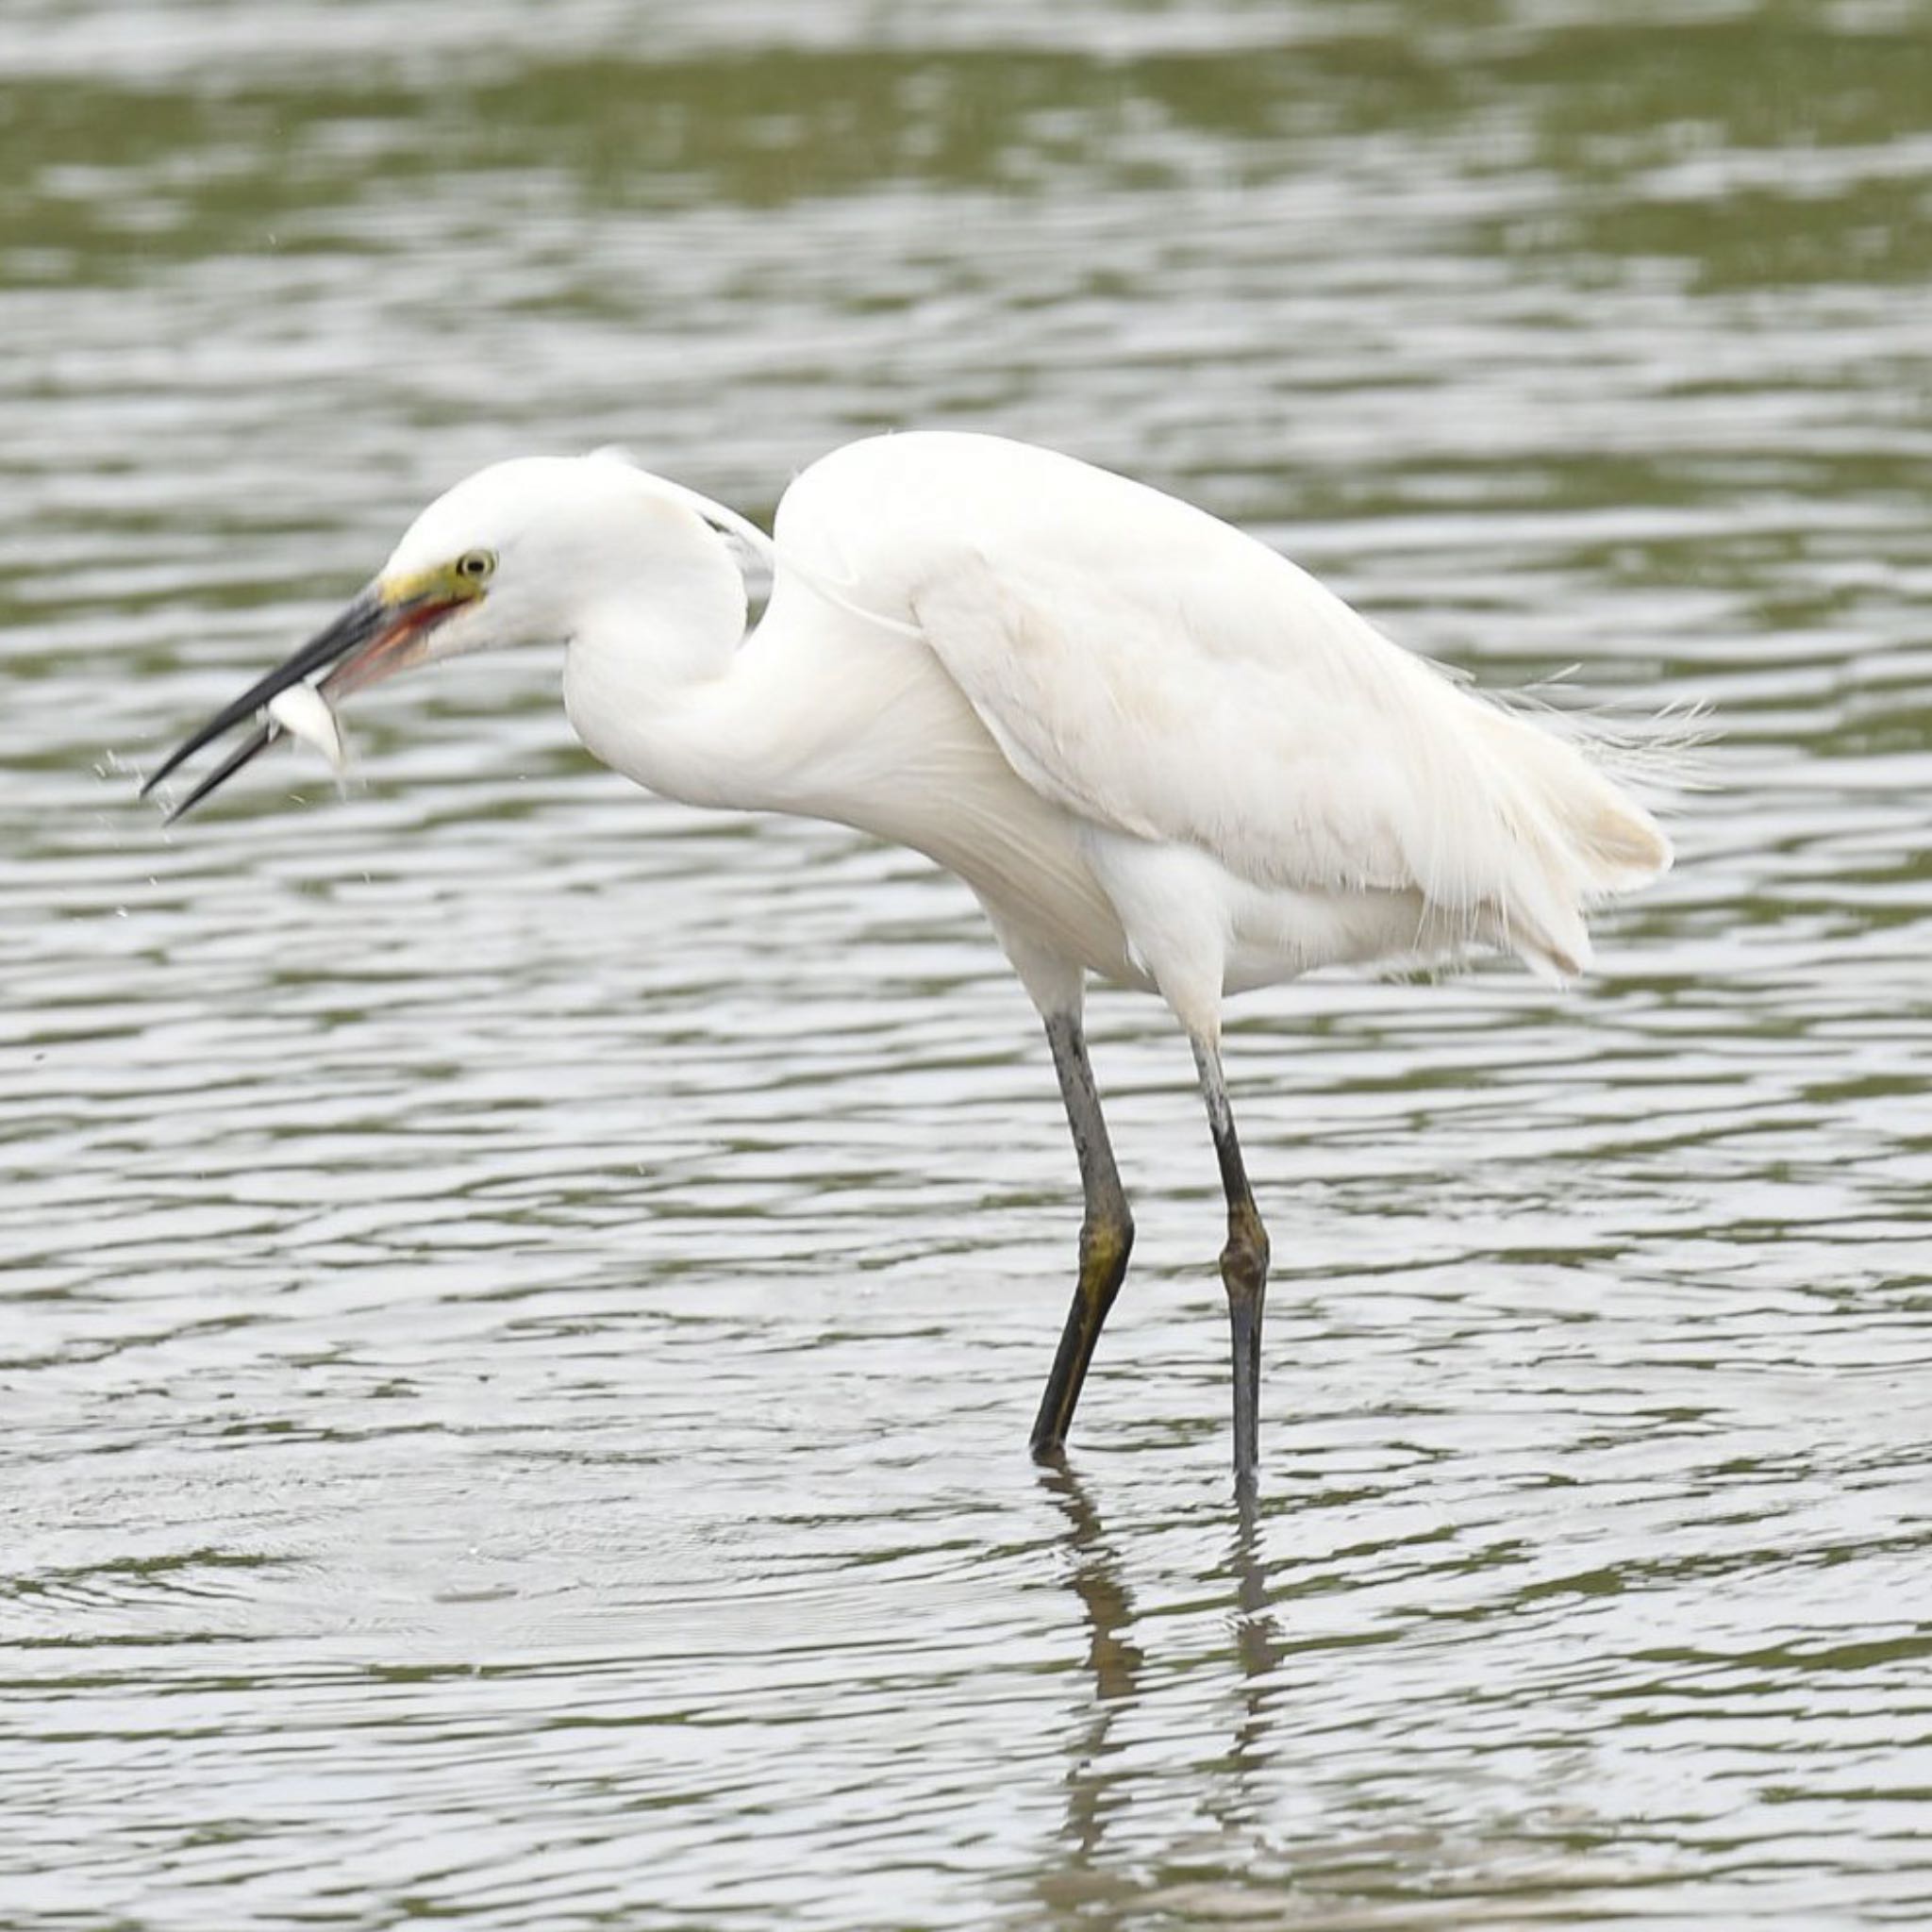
383, 631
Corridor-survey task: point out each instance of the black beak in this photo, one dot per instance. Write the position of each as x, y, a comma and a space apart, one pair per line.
370, 638
360, 625
245, 753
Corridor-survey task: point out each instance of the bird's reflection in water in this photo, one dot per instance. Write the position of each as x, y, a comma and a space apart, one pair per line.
1114, 1659
1099, 1781
1258, 1648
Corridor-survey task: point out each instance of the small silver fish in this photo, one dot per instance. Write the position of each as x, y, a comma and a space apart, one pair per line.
302, 712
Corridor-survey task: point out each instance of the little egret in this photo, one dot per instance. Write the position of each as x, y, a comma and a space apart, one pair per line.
1156, 751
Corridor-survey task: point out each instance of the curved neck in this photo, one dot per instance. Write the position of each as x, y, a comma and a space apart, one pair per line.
643, 646
811, 713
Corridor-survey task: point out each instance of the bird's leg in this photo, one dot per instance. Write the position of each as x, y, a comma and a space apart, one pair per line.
1244, 1265
1106, 1236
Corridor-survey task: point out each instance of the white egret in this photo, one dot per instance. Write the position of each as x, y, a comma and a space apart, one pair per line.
1158, 752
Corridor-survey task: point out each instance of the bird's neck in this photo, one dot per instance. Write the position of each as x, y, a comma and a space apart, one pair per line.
812, 713
652, 681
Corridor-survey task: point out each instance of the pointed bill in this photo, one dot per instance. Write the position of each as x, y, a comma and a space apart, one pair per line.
380, 632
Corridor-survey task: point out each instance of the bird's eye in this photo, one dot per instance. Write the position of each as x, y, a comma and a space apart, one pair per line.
475, 566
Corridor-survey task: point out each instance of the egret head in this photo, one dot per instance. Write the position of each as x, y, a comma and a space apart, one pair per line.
512, 554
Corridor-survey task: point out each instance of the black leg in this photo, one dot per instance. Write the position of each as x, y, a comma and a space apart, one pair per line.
1106, 1237
1243, 1267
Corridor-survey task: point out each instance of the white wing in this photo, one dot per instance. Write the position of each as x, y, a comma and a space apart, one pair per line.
1148, 705
1162, 674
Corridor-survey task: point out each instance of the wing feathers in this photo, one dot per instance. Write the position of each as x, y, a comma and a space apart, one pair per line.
1243, 710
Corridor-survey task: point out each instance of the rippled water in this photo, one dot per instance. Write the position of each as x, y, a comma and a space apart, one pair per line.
522, 1304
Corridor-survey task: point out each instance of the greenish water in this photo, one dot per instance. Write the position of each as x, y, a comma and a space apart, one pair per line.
521, 1305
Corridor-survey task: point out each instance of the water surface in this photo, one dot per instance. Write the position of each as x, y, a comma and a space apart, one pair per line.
522, 1304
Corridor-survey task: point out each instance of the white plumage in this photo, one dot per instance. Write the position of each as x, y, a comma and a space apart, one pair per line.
1156, 750
1165, 679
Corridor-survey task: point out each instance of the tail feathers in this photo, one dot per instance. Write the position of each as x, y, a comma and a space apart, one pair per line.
1580, 836
1619, 841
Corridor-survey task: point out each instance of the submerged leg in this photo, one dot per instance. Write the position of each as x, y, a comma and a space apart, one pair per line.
1244, 1265
1106, 1236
